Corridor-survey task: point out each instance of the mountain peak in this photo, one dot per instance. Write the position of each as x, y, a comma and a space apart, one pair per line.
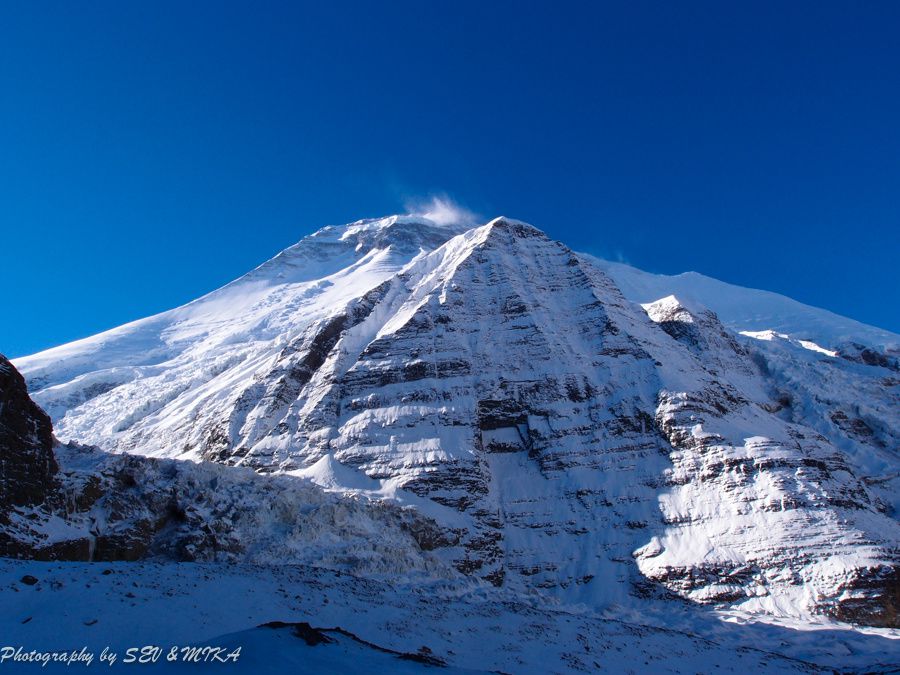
672, 308
501, 384
516, 226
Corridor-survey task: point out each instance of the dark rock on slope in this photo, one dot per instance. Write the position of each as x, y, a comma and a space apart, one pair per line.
27, 464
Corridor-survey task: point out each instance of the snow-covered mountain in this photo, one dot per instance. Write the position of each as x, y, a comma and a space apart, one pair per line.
575, 428
747, 309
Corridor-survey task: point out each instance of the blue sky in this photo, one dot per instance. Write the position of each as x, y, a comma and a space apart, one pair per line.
150, 152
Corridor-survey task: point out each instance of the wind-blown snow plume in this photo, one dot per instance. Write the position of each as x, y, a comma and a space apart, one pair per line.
441, 210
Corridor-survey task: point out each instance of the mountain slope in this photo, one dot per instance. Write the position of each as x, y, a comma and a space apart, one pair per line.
830, 373
105, 508
568, 440
748, 309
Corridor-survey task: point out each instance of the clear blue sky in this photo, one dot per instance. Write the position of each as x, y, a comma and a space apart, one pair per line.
150, 152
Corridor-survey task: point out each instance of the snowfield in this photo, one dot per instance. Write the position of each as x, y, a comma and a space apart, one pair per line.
468, 626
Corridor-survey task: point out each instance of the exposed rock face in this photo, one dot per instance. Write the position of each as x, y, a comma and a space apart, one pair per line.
701, 332
870, 356
27, 465
564, 438
871, 597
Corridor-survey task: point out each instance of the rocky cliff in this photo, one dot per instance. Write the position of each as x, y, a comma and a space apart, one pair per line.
27, 465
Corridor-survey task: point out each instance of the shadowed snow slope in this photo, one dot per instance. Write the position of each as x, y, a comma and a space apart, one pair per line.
569, 440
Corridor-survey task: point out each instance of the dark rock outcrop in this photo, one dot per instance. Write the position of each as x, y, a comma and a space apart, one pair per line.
27, 465
870, 598
869, 356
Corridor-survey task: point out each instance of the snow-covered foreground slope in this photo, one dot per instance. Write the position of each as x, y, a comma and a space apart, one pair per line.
468, 627
372, 596
565, 439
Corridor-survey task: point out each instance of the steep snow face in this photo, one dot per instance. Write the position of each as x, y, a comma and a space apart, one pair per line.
465, 387
565, 437
145, 384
